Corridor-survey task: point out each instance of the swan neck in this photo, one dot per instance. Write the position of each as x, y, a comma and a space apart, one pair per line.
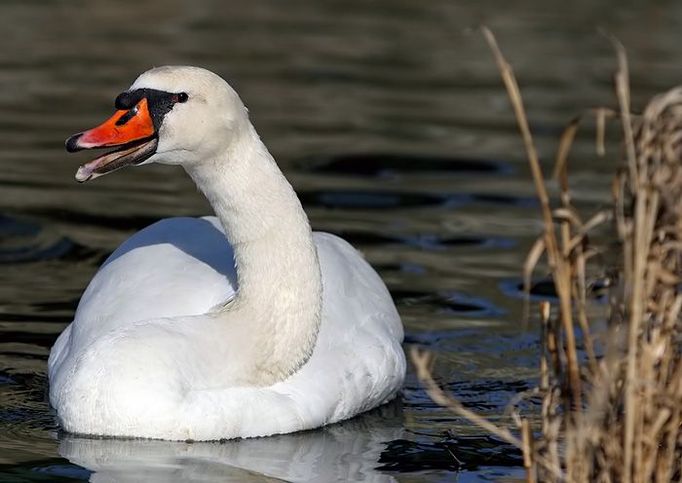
279, 293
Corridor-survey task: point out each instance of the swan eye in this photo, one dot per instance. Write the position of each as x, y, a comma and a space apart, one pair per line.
182, 97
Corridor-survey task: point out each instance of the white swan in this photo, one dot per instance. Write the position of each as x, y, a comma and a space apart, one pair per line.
243, 325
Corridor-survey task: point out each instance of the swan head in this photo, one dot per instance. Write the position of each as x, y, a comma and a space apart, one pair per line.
169, 115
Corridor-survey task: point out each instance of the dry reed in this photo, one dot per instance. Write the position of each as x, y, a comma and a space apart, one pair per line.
613, 415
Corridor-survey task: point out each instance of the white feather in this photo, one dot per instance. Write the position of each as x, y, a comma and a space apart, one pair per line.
171, 341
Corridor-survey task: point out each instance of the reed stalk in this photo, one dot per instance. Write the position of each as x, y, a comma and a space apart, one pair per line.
615, 413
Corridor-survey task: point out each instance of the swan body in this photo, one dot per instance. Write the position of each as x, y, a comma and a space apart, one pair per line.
240, 325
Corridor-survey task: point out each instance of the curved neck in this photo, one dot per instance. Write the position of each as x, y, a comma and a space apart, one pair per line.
279, 298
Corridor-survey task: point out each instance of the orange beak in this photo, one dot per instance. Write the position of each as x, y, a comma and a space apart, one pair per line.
131, 130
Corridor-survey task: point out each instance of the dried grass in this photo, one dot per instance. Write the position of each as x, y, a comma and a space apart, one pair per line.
614, 414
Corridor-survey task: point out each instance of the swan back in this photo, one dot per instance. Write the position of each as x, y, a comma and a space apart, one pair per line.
182, 267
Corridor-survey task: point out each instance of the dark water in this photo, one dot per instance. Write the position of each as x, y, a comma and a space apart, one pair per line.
390, 120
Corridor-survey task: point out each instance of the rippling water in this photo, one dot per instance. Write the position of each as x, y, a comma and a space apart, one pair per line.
389, 119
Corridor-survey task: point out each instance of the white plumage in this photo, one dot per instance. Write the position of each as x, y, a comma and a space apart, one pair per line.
170, 341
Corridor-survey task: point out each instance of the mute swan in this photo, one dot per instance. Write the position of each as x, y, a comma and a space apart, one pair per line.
245, 324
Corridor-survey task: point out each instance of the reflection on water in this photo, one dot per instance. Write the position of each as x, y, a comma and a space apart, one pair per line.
390, 120
344, 452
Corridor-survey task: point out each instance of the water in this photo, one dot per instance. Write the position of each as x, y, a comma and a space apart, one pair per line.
390, 120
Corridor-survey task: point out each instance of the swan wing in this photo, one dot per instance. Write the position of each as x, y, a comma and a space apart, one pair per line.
175, 267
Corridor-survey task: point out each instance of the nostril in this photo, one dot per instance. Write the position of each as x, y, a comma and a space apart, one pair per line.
127, 116
72, 143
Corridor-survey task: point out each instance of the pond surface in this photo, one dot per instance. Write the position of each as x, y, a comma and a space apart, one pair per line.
390, 120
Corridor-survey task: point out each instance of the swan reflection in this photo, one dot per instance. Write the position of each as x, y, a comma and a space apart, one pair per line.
347, 451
